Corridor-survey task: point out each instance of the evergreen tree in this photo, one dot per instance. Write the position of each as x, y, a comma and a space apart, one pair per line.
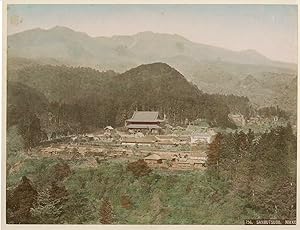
139, 168
20, 201
213, 155
30, 129
106, 211
47, 209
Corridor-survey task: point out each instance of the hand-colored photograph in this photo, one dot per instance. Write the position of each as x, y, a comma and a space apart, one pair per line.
151, 114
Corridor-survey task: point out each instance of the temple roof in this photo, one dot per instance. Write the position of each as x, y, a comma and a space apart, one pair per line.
144, 116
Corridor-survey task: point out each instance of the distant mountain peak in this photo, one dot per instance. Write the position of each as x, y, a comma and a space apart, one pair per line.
145, 33
154, 70
159, 66
152, 34
57, 27
64, 29
253, 52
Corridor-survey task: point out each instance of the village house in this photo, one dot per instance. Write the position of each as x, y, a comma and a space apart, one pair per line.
153, 159
108, 130
180, 161
200, 137
166, 141
140, 141
199, 124
238, 119
145, 122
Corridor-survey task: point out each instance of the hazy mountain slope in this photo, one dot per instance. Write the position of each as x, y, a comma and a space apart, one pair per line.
62, 83
212, 69
96, 99
120, 52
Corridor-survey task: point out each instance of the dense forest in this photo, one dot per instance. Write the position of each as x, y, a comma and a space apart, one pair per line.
75, 100
261, 169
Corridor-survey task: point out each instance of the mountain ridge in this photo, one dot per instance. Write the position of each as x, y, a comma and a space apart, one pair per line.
214, 70
187, 46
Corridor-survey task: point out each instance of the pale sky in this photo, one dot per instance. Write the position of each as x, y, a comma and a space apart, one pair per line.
269, 29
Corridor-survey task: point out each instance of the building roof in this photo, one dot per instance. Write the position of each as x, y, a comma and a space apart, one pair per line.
166, 142
143, 126
164, 137
148, 139
144, 116
200, 134
153, 157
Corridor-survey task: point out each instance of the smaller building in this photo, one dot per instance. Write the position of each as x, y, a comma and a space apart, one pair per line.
142, 141
199, 124
199, 137
166, 141
238, 119
108, 130
153, 159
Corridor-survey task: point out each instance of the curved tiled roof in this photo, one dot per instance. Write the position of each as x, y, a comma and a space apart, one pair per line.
144, 116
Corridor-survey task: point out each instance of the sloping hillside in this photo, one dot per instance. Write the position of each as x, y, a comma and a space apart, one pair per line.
23, 101
97, 99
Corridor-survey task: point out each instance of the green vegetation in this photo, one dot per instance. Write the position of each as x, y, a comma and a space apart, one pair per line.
248, 176
261, 169
183, 198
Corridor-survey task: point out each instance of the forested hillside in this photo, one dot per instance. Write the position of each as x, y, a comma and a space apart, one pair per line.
80, 99
261, 170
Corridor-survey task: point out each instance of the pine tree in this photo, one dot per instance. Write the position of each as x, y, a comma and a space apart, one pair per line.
30, 129
139, 168
47, 210
106, 211
213, 155
20, 201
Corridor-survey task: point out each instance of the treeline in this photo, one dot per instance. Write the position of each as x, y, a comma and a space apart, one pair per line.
237, 104
261, 169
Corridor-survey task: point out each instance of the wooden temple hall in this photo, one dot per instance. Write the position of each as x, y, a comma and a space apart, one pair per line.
145, 122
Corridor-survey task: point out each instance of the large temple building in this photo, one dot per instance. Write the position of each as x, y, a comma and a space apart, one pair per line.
145, 122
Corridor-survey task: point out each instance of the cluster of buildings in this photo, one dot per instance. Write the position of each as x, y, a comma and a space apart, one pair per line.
145, 138
241, 121
177, 161
150, 128
152, 140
